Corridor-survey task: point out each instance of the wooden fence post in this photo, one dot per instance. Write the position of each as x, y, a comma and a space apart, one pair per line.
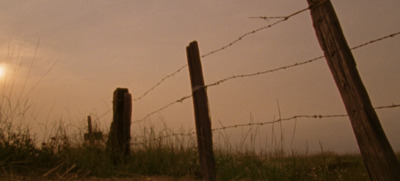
119, 137
378, 155
91, 135
202, 115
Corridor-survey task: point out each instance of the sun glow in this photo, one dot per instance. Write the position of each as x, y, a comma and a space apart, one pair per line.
2, 71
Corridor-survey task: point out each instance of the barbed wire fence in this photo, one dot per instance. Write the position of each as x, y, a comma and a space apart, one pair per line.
300, 63
280, 19
279, 120
180, 100
224, 47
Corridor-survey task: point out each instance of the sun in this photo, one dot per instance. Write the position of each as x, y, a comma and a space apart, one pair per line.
2, 71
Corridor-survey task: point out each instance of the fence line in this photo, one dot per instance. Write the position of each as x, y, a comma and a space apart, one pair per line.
241, 37
180, 100
238, 76
315, 116
297, 63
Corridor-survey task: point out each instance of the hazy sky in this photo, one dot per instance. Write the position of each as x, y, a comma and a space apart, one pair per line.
100, 45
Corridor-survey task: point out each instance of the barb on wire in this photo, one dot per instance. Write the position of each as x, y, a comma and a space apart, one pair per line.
180, 100
280, 120
283, 18
315, 116
161, 81
376, 40
287, 17
298, 63
389, 106
267, 17
244, 125
265, 72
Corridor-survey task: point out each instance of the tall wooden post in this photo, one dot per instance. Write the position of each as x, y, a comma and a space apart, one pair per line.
378, 155
202, 115
119, 136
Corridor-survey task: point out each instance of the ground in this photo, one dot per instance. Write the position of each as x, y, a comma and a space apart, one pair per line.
136, 178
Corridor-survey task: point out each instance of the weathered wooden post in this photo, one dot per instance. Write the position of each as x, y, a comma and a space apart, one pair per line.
378, 155
91, 135
119, 137
202, 115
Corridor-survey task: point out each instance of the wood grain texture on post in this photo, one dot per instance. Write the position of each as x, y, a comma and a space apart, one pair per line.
119, 136
377, 153
201, 111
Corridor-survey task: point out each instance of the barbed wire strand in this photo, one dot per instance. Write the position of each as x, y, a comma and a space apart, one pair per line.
283, 18
280, 120
246, 124
376, 40
298, 63
389, 106
315, 116
261, 73
159, 82
267, 17
162, 108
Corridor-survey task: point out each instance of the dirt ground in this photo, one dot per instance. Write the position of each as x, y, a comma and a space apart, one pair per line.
137, 178
158, 178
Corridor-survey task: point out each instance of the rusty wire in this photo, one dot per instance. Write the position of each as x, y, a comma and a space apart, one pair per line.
241, 37
315, 116
180, 100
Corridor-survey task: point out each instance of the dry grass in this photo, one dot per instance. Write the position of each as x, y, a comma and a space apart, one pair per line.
159, 159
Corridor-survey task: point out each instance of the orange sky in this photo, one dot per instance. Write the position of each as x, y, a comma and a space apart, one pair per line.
100, 45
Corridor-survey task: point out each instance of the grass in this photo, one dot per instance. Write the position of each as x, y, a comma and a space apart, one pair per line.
59, 157
63, 156
312, 167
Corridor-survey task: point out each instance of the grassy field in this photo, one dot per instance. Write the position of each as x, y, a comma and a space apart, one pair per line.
68, 157
59, 157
